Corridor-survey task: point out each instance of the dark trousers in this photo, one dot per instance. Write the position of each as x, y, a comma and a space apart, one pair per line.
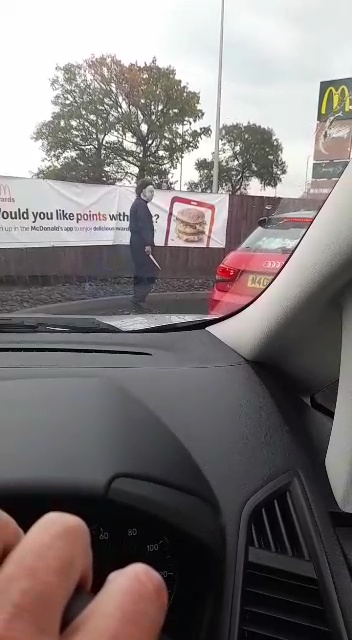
142, 286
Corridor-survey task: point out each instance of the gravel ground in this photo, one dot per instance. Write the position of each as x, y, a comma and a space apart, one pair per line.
15, 298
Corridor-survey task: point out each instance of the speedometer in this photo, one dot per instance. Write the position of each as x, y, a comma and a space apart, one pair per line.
118, 544
149, 547
104, 553
157, 554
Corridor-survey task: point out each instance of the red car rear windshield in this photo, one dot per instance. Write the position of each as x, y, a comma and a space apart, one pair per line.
275, 237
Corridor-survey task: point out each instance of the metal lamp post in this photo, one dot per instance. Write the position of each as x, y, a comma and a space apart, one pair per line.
218, 103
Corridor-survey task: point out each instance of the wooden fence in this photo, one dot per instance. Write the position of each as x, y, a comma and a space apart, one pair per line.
48, 264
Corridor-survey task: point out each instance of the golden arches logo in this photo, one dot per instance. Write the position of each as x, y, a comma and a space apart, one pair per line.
5, 191
339, 96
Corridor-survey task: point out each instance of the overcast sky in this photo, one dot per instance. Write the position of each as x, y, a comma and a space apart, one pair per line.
275, 54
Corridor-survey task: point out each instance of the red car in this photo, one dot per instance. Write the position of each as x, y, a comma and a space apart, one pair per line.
245, 272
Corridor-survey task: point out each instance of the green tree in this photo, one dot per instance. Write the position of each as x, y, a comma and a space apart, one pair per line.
77, 140
247, 152
113, 122
162, 180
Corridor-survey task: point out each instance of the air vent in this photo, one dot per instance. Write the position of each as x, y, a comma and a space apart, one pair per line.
275, 528
281, 599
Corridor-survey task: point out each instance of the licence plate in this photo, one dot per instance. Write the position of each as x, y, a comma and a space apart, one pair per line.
257, 281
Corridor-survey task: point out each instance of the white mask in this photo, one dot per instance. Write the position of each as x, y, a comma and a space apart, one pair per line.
148, 193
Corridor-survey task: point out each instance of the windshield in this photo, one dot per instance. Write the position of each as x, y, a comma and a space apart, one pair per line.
160, 162
271, 239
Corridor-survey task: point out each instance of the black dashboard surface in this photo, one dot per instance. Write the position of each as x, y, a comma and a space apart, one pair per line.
171, 434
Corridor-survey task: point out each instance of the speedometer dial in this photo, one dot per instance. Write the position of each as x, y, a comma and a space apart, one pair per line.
103, 546
152, 549
118, 544
157, 554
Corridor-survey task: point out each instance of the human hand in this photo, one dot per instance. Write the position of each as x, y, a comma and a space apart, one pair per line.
148, 250
40, 570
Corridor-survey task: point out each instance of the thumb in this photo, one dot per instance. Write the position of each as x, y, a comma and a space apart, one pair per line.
131, 605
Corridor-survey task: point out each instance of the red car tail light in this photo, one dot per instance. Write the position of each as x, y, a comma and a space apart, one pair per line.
306, 221
227, 273
225, 277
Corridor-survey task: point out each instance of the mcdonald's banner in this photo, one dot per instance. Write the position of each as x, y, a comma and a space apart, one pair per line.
335, 99
42, 213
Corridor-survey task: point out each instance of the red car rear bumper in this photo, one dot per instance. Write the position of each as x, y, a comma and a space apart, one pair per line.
222, 303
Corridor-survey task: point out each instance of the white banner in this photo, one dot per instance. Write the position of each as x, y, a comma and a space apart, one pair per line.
42, 213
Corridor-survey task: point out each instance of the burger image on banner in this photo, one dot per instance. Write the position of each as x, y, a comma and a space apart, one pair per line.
190, 225
333, 140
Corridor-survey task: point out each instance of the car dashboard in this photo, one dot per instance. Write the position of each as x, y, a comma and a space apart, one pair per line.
122, 535
178, 453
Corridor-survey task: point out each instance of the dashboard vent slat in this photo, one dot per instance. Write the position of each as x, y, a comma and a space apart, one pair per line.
301, 544
276, 528
283, 528
281, 599
273, 585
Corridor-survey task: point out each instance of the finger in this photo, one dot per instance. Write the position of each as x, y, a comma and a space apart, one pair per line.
10, 534
39, 576
131, 605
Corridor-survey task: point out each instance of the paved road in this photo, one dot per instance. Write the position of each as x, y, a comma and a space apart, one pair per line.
167, 303
198, 307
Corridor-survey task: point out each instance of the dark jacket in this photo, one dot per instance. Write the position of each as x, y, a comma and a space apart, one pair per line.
141, 224
142, 235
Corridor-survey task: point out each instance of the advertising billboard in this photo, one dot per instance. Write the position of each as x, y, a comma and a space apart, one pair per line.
335, 99
333, 140
329, 170
44, 213
333, 135
320, 188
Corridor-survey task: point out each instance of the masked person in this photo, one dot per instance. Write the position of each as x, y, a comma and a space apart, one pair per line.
142, 243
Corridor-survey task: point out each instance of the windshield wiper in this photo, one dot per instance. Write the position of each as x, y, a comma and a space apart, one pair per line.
54, 324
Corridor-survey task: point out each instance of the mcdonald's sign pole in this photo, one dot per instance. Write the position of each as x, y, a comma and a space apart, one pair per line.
218, 103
